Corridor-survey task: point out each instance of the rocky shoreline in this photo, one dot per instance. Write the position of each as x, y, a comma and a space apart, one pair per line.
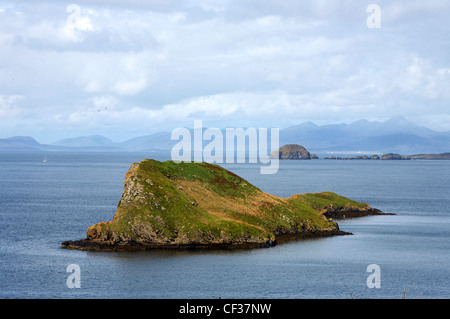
104, 246
342, 213
394, 157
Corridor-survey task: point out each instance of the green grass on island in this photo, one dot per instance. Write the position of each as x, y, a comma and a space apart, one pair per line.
168, 204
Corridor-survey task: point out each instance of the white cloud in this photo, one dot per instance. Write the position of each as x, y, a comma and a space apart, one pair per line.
86, 73
165, 62
421, 78
412, 9
8, 106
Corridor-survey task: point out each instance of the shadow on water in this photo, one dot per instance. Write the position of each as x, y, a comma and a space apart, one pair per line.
173, 253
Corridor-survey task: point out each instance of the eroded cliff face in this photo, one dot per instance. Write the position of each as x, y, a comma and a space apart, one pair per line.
200, 205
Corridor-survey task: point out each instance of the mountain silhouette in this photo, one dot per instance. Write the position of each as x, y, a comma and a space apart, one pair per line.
396, 135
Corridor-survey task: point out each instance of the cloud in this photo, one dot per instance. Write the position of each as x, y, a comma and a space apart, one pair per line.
8, 106
121, 73
422, 78
165, 63
413, 9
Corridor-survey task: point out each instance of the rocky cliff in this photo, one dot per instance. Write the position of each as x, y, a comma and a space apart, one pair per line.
392, 156
200, 205
292, 151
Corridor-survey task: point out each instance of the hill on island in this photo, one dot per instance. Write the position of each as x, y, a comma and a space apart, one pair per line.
201, 205
85, 141
292, 151
18, 143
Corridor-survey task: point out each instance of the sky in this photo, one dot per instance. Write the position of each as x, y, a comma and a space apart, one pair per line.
128, 68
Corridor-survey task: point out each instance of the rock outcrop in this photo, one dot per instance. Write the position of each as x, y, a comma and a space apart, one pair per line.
389, 156
292, 151
198, 205
349, 211
392, 156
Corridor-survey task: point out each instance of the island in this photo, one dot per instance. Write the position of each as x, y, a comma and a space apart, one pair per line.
187, 205
441, 156
389, 156
293, 151
395, 157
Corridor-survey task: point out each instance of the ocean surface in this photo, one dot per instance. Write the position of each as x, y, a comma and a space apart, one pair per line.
44, 204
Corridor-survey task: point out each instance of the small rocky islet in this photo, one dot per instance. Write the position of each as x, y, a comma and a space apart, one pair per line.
299, 152
293, 151
187, 205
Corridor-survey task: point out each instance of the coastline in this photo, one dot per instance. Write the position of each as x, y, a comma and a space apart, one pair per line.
98, 246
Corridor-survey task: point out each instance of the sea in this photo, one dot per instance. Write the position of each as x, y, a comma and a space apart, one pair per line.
406, 255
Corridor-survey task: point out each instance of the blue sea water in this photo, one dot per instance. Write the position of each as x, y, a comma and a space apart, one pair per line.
43, 204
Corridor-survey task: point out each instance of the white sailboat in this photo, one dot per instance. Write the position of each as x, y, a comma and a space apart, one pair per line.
44, 160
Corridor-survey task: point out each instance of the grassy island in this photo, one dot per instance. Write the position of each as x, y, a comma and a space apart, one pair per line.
172, 205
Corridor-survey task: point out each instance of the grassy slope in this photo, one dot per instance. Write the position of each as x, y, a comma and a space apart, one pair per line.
204, 202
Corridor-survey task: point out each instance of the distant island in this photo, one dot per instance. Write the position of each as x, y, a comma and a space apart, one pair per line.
391, 156
293, 151
442, 156
167, 205
298, 152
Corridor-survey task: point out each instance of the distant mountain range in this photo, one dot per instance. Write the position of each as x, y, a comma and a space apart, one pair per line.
396, 135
